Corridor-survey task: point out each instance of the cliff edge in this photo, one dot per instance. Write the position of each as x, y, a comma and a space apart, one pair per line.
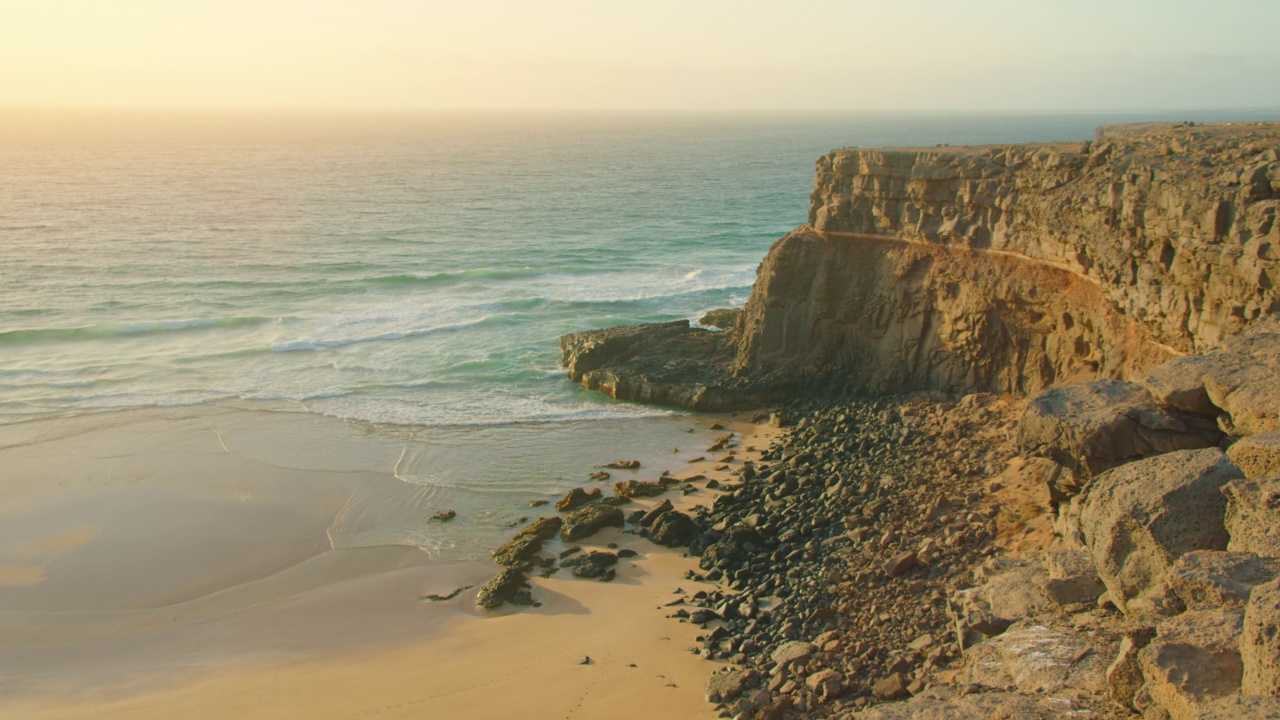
1006, 268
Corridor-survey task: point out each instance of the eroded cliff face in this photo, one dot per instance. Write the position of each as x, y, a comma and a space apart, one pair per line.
1011, 268
1001, 268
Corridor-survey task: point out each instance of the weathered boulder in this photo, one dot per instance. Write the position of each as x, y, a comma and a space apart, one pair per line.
1095, 426
1257, 456
543, 528
589, 520
1194, 659
639, 488
1037, 658
1014, 590
726, 686
673, 529
594, 564
1072, 577
517, 551
502, 588
826, 684
649, 517
1252, 517
577, 497
1245, 381
1260, 641
1211, 578
790, 652
1179, 384
1139, 518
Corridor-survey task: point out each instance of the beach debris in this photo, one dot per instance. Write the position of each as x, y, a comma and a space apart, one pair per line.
576, 497
444, 516
639, 488
589, 520
624, 465
504, 587
584, 660
450, 596
593, 564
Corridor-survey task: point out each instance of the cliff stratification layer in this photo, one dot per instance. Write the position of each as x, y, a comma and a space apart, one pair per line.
1001, 268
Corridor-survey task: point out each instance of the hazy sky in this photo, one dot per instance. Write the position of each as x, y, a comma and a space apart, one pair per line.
646, 54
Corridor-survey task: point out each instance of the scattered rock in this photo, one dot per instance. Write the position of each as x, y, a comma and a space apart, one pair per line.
593, 564
623, 465
577, 497
673, 529
639, 488
444, 516
543, 528
589, 520
517, 551
502, 588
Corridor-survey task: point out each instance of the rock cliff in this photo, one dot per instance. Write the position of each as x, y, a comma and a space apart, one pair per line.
1002, 268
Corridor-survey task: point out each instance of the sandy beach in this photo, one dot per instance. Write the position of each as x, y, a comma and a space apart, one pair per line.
231, 562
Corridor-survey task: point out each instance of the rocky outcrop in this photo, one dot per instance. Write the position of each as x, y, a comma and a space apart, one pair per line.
1002, 268
1139, 518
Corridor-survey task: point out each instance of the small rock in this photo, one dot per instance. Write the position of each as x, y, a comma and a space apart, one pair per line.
576, 497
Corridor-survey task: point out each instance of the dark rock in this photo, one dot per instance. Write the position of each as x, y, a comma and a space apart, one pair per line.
576, 497
589, 520
501, 589
593, 564
673, 529
542, 528
638, 488
517, 551
623, 465
444, 516
648, 518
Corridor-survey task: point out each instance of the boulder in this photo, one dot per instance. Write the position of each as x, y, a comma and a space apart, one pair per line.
1193, 660
891, 688
1260, 641
594, 564
502, 588
648, 518
1244, 380
518, 551
1257, 456
589, 520
543, 528
1037, 658
1179, 384
1252, 517
1139, 518
1095, 426
790, 652
638, 488
673, 529
1210, 578
576, 497
726, 686
826, 684
1072, 577
1014, 590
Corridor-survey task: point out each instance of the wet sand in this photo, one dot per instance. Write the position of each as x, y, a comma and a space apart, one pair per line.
168, 563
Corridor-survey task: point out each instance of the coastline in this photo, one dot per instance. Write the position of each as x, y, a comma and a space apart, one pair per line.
254, 606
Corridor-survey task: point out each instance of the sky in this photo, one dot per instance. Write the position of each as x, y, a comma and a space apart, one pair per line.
651, 55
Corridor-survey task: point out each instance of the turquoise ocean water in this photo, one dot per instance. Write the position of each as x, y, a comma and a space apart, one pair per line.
395, 270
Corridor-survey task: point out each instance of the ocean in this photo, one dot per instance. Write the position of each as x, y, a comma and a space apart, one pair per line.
407, 273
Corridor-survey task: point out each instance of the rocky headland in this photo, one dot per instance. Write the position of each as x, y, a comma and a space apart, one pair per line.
1031, 464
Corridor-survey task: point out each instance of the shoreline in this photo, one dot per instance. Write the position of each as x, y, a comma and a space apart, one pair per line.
265, 643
